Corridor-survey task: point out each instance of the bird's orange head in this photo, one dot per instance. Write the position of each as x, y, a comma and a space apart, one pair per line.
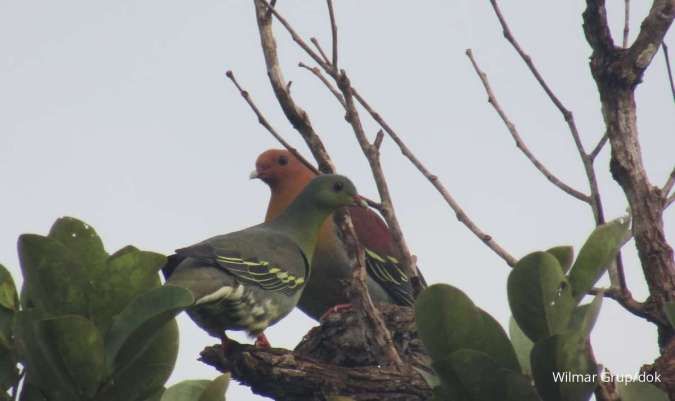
278, 167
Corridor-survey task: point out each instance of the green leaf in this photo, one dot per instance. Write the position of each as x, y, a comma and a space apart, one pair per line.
478, 374
215, 390
595, 256
81, 240
539, 295
482, 378
438, 310
640, 391
554, 362
9, 373
584, 317
8, 296
126, 274
447, 321
29, 392
76, 346
145, 377
187, 390
44, 371
518, 387
522, 345
496, 344
565, 256
134, 328
56, 281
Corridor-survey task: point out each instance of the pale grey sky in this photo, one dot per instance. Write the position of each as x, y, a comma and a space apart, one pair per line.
119, 113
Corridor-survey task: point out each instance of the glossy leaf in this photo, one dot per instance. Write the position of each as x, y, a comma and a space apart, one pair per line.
483, 380
640, 391
584, 317
132, 330
496, 344
126, 274
554, 360
596, 255
447, 321
187, 390
8, 297
522, 345
145, 376
45, 372
565, 256
215, 390
81, 240
76, 346
540, 296
56, 281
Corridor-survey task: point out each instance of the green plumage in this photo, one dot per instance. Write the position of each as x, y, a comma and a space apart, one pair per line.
250, 279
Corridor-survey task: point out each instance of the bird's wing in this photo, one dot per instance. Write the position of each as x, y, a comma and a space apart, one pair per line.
385, 271
269, 260
382, 264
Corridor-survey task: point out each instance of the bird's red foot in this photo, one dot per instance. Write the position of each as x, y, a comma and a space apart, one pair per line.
335, 309
261, 341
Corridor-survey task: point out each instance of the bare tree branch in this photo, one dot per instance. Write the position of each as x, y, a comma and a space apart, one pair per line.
617, 72
316, 44
653, 30
626, 300
333, 358
436, 182
334, 35
616, 274
598, 148
626, 22
380, 336
668, 186
519, 141
373, 156
317, 72
295, 114
263, 121
668, 68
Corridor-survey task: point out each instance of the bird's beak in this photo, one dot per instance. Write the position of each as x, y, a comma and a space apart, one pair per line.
254, 174
359, 201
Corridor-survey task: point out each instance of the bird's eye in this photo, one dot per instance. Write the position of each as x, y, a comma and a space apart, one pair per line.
337, 187
283, 160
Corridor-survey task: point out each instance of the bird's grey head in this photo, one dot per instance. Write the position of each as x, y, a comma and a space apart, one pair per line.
332, 191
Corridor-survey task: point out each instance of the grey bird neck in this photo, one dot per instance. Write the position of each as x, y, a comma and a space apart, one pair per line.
302, 221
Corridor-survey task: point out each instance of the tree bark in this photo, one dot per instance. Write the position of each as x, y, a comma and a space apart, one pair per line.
332, 359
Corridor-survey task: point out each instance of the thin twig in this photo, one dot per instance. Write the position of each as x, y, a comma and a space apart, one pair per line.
263, 121
664, 47
616, 274
519, 141
598, 148
668, 186
436, 182
316, 44
373, 155
333, 29
626, 22
317, 72
378, 139
669, 201
625, 299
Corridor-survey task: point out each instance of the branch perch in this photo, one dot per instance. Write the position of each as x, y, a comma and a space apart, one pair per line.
519, 141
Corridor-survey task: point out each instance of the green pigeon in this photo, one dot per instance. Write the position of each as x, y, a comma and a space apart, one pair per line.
250, 279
